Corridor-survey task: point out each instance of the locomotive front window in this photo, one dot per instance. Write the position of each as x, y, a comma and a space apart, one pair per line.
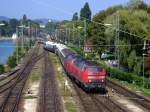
95, 69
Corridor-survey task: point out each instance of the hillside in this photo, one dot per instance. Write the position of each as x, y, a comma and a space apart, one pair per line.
3, 18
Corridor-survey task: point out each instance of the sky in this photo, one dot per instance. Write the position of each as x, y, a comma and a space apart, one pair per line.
53, 9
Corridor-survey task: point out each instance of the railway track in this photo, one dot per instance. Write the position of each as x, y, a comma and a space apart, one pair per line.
97, 103
12, 96
9, 75
50, 100
8, 81
108, 104
140, 100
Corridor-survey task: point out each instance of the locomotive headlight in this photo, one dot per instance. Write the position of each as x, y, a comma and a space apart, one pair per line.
101, 77
90, 80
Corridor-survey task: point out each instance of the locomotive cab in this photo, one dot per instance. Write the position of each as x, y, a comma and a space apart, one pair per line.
95, 75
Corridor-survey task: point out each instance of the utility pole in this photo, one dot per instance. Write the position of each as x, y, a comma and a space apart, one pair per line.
117, 39
29, 29
85, 34
69, 35
22, 35
66, 35
17, 45
73, 35
144, 53
58, 36
79, 37
29, 34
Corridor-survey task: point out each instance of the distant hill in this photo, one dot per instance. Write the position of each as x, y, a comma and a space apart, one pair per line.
3, 18
43, 20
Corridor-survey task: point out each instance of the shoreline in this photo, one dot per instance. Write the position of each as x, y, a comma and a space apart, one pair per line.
5, 38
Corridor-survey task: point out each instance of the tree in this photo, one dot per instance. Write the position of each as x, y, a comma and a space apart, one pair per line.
51, 27
132, 4
132, 60
137, 67
24, 20
24, 17
13, 24
11, 61
85, 12
98, 32
143, 6
1, 69
75, 17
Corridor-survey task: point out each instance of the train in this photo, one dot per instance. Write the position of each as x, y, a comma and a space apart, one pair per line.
50, 46
86, 73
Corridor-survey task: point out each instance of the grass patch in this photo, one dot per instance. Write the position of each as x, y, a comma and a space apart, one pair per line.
35, 77
30, 97
71, 107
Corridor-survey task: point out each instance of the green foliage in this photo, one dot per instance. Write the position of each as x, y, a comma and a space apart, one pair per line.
85, 12
98, 32
134, 3
132, 60
128, 77
135, 21
10, 27
20, 52
24, 20
51, 27
11, 61
138, 4
137, 67
124, 50
13, 24
2, 69
147, 66
75, 17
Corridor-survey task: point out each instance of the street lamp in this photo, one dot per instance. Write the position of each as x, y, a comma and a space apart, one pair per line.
22, 26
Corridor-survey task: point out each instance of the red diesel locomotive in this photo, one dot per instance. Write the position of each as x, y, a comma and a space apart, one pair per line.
87, 73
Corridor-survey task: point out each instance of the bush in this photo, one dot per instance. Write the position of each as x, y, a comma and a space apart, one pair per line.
128, 77
2, 69
11, 62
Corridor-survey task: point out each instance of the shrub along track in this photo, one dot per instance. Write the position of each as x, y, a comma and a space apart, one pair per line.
14, 92
140, 100
49, 98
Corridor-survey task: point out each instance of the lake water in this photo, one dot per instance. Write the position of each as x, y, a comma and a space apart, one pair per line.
7, 48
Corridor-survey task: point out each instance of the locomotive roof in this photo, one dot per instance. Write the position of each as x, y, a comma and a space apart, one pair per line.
87, 62
91, 63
